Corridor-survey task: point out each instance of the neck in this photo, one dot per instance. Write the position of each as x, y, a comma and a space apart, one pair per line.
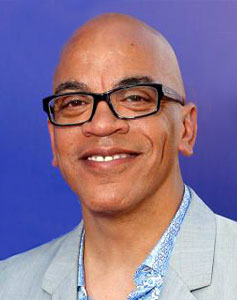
131, 236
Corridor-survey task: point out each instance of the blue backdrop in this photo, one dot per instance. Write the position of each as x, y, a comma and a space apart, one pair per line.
36, 204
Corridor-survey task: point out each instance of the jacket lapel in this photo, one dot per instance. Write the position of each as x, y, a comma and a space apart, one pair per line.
175, 289
60, 279
191, 263
67, 289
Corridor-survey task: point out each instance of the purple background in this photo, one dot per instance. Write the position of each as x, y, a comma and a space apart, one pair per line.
36, 204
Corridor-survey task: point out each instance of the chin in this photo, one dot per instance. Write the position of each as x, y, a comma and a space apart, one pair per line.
107, 205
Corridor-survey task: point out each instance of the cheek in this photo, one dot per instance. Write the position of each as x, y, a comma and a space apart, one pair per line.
155, 131
66, 148
65, 140
161, 139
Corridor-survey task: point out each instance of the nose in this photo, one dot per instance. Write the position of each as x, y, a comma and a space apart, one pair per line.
104, 123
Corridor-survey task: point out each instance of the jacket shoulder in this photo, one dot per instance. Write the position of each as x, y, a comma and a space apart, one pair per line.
226, 235
23, 271
43, 251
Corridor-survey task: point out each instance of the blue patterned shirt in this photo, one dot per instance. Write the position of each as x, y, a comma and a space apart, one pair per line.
150, 275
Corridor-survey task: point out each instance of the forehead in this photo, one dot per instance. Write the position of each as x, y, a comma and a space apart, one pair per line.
100, 59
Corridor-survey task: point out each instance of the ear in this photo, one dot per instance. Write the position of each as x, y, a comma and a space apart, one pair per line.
53, 147
189, 129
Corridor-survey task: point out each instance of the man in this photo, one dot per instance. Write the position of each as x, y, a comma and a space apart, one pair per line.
117, 121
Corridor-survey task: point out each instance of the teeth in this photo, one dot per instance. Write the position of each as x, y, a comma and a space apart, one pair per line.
117, 156
108, 158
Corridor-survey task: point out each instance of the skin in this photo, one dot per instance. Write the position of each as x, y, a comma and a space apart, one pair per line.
135, 195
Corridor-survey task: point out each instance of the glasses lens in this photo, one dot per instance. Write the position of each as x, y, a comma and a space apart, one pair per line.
71, 109
135, 101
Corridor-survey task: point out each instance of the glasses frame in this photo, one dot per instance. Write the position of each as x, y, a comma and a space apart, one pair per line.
164, 93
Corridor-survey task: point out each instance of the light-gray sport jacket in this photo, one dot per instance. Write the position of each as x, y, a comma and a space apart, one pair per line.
203, 264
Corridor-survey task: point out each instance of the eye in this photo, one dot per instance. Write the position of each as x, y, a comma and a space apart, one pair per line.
136, 98
73, 103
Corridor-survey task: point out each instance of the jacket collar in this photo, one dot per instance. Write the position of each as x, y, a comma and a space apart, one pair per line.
191, 263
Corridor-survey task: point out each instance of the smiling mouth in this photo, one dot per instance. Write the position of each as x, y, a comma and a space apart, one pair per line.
100, 158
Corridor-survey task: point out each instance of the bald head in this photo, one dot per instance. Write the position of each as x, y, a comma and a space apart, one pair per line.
122, 44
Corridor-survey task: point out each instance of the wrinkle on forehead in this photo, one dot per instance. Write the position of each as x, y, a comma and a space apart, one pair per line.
122, 34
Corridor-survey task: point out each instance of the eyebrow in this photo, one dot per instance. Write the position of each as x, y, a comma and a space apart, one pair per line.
133, 80
71, 85
80, 86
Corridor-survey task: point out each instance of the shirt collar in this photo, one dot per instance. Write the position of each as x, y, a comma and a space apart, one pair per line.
158, 258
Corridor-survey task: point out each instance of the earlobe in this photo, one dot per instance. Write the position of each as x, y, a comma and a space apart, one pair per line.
189, 130
51, 133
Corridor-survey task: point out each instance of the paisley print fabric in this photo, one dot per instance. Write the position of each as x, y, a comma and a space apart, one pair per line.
150, 275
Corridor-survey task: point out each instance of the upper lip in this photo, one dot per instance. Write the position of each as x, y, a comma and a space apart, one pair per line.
106, 152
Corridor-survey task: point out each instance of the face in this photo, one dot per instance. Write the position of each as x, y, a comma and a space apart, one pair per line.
144, 151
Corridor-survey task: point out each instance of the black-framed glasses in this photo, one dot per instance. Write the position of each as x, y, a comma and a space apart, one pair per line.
130, 102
